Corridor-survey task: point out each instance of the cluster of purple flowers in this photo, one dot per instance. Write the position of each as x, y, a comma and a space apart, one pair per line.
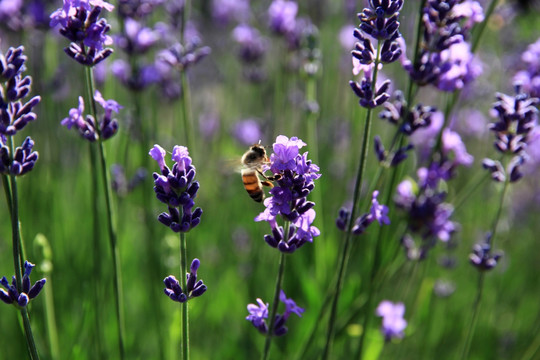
194, 288
482, 257
393, 323
177, 189
135, 40
516, 118
529, 78
445, 59
377, 213
428, 216
295, 174
86, 125
14, 113
379, 21
259, 313
80, 23
21, 296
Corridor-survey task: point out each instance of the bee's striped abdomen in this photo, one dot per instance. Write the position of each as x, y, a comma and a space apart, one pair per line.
252, 184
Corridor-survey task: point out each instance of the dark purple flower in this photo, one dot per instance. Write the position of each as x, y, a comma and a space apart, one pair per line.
23, 159
516, 117
259, 313
177, 189
294, 175
378, 212
252, 46
445, 59
12, 295
482, 258
428, 215
86, 125
80, 23
194, 288
393, 323
14, 114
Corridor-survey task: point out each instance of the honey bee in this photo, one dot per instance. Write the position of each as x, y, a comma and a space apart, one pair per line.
253, 160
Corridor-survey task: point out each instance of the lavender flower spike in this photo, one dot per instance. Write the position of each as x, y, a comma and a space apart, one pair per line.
295, 176
80, 23
193, 289
176, 188
12, 295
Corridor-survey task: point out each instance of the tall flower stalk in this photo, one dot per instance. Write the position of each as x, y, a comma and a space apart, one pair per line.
80, 22
516, 118
15, 162
379, 21
177, 189
294, 175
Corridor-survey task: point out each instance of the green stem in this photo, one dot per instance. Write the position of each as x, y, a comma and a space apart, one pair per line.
482, 26
344, 258
7, 192
97, 253
17, 264
117, 278
185, 313
474, 319
275, 302
472, 326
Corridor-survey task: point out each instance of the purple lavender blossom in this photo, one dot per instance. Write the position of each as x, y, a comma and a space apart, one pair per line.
259, 313
393, 323
295, 175
177, 189
377, 212
282, 16
529, 79
226, 11
379, 22
247, 132
252, 46
516, 117
136, 38
482, 258
80, 23
194, 288
445, 59
12, 295
23, 160
14, 114
428, 214
86, 125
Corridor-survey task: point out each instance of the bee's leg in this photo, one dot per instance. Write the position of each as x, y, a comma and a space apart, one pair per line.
270, 178
267, 183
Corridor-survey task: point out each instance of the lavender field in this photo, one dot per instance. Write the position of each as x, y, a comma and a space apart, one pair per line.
243, 179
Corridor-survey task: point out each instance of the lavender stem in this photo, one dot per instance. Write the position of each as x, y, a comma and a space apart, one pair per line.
275, 302
117, 278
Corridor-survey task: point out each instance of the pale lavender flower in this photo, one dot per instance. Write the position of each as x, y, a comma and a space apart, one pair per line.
247, 132
282, 16
226, 11
393, 323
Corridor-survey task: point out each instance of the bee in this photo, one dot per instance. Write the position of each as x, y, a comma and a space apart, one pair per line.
253, 160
